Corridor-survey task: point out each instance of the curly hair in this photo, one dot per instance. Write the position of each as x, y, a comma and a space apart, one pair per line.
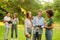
50, 12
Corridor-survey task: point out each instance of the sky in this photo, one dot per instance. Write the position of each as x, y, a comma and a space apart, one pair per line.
43, 1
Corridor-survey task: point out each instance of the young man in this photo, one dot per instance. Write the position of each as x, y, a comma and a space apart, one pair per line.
38, 24
7, 21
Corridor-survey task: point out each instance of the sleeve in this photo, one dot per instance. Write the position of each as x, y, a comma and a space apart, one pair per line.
10, 19
34, 21
26, 27
4, 19
51, 21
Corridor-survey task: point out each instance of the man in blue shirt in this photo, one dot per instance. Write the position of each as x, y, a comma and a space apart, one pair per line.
38, 24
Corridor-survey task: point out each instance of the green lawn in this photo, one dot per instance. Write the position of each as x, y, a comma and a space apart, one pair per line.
21, 36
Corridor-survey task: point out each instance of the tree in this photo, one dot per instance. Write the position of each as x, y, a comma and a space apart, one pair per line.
56, 7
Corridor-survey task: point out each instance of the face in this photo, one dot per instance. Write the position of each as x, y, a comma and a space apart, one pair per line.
8, 14
14, 15
40, 13
48, 15
30, 15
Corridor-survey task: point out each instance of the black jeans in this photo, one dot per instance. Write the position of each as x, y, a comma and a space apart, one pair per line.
37, 36
14, 27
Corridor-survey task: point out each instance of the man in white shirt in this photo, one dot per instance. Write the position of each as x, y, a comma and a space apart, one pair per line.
7, 24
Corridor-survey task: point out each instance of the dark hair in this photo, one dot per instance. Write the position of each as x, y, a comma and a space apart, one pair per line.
27, 14
50, 12
7, 12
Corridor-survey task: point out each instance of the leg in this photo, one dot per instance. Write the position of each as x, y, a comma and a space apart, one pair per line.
6, 33
34, 36
16, 31
27, 38
39, 36
12, 30
49, 35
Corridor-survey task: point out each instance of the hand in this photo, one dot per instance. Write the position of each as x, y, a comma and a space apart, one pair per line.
45, 27
27, 35
32, 28
46, 24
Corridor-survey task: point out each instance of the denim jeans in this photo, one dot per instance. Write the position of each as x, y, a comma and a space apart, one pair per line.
6, 32
29, 31
37, 37
28, 38
14, 27
48, 34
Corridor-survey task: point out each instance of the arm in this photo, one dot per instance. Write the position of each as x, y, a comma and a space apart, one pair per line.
26, 27
52, 26
5, 19
44, 23
8, 20
34, 22
17, 20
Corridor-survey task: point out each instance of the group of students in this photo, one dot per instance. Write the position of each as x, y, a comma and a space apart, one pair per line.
37, 24
33, 25
14, 21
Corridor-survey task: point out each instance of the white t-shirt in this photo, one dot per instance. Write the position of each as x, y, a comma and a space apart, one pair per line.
6, 18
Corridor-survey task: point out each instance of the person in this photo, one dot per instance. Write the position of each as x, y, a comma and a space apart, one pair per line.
14, 26
7, 21
28, 25
38, 24
50, 25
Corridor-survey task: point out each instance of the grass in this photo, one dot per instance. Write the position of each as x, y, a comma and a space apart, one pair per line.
21, 36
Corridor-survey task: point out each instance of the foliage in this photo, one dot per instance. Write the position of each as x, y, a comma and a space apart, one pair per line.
13, 6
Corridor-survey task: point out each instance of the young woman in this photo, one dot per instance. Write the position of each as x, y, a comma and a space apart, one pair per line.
50, 25
14, 26
28, 25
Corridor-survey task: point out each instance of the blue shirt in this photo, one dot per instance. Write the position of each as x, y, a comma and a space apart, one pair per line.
38, 21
